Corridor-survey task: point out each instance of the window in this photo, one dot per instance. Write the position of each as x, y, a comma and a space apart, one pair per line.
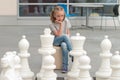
42, 8
107, 7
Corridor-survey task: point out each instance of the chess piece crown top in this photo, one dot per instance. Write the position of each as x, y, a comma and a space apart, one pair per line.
106, 45
23, 44
77, 37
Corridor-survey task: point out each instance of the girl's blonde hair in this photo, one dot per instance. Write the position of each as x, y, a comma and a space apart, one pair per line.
56, 8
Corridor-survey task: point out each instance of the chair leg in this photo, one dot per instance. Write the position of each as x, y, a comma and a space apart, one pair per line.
102, 18
114, 22
118, 20
101, 23
105, 23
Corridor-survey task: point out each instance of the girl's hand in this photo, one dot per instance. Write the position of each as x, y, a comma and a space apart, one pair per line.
59, 22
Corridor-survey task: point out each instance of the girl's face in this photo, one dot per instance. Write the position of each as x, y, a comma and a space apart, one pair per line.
59, 15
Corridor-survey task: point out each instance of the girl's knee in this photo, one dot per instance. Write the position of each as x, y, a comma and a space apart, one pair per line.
63, 45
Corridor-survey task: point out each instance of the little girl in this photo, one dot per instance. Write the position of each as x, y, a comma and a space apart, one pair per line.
60, 28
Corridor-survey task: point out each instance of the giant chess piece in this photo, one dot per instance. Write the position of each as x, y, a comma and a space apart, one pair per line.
84, 66
77, 43
46, 50
115, 65
49, 67
104, 71
25, 71
8, 65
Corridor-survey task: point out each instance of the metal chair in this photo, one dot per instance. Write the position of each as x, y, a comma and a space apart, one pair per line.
115, 11
116, 14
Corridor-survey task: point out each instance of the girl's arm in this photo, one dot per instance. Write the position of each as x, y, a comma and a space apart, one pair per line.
58, 32
68, 32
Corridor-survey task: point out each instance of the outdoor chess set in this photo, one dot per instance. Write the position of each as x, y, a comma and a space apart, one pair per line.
15, 65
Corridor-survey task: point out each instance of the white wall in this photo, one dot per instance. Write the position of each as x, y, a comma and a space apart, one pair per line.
8, 7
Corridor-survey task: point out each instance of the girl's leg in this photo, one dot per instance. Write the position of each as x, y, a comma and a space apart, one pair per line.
68, 43
63, 38
64, 56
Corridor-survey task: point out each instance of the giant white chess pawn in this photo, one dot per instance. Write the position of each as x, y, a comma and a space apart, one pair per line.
115, 65
25, 71
46, 49
77, 43
84, 66
104, 71
49, 67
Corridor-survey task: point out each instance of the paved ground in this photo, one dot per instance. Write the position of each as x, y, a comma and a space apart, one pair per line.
11, 35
